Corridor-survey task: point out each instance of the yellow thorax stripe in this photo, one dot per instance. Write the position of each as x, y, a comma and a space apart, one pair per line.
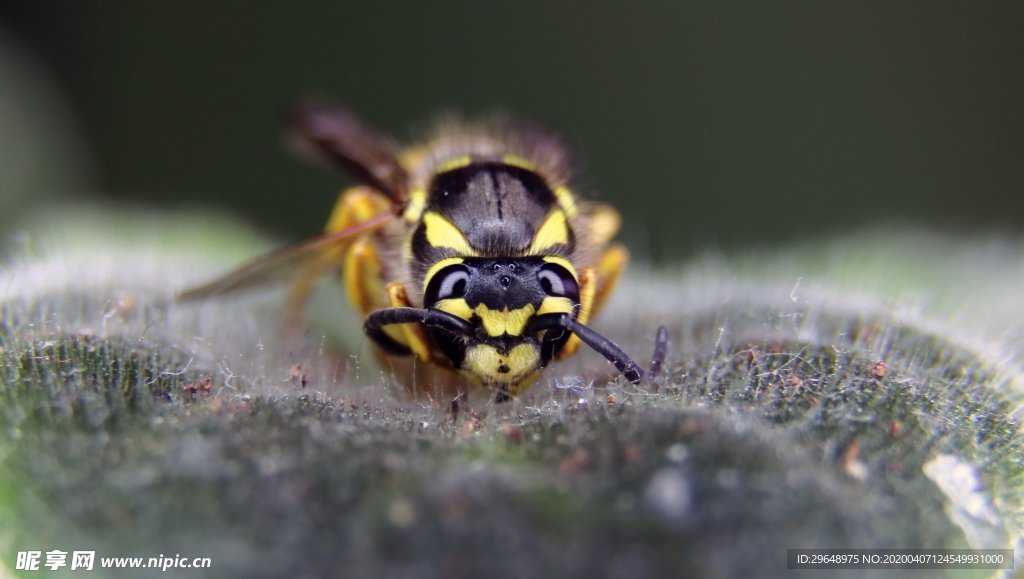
417, 203
500, 322
567, 200
444, 233
517, 161
554, 231
453, 164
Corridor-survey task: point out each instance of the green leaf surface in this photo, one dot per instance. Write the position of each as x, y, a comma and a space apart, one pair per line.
858, 393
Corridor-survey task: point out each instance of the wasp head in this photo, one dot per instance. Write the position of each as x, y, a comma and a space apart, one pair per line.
500, 298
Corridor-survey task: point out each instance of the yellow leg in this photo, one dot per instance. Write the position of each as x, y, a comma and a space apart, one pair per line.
415, 336
362, 275
611, 266
364, 279
602, 223
596, 284
588, 283
354, 206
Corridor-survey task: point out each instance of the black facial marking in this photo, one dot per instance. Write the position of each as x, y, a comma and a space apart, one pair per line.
504, 283
453, 347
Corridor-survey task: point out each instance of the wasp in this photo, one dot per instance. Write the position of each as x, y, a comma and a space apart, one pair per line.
469, 254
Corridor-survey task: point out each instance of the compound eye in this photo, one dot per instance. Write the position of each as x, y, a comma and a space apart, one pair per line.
556, 281
450, 282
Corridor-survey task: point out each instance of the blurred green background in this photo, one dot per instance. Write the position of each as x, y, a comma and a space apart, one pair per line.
757, 123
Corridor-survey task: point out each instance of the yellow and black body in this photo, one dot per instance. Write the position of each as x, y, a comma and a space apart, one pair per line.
468, 255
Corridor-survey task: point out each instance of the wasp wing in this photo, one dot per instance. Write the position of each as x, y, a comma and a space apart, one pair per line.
303, 262
333, 133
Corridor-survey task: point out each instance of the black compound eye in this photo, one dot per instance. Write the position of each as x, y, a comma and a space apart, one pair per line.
450, 282
556, 281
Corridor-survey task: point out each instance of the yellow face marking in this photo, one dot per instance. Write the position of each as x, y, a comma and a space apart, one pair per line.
484, 363
500, 322
443, 233
417, 202
555, 305
438, 267
452, 164
517, 161
554, 231
562, 262
455, 306
567, 200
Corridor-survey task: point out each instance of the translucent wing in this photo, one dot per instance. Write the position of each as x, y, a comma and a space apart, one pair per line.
303, 262
333, 133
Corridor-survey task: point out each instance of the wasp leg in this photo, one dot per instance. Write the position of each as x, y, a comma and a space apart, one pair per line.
377, 321
362, 276
602, 223
658, 356
611, 266
602, 345
414, 337
354, 206
588, 285
596, 284
363, 283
